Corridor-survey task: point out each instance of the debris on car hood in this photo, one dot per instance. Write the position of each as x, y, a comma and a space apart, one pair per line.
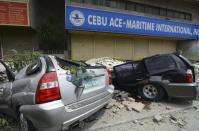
108, 62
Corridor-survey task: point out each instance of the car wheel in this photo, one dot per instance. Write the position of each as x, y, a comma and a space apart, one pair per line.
151, 92
25, 124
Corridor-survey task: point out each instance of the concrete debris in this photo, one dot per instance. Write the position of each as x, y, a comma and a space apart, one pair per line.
195, 107
141, 124
122, 100
173, 121
168, 108
173, 118
137, 106
108, 62
135, 121
114, 110
130, 99
109, 105
181, 122
157, 118
120, 95
118, 105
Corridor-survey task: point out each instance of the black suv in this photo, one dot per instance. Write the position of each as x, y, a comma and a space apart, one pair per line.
157, 76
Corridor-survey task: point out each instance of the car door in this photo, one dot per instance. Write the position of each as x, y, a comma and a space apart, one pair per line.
6, 80
129, 74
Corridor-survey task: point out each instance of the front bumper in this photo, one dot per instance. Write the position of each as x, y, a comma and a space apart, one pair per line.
187, 91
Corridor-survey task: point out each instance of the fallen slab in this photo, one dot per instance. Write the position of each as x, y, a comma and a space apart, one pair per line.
137, 106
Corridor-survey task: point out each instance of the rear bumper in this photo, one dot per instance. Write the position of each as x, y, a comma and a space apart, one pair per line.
187, 91
54, 116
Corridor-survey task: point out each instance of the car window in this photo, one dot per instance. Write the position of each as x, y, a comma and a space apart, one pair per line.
124, 71
181, 64
67, 64
160, 64
138, 68
34, 67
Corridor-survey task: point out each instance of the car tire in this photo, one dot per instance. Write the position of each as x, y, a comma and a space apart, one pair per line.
25, 124
151, 92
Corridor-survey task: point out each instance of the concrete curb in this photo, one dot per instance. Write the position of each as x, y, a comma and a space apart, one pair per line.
145, 117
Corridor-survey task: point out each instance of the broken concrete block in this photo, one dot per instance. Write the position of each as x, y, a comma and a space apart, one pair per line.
129, 109
174, 122
130, 99
168, 108
137, 106
108, 62
173, 118
181, 122
115, 110
157, 118
135, 121
124, 95
195, 107
109, 105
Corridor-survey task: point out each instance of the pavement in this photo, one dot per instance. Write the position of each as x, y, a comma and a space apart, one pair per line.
185, 120
109, 120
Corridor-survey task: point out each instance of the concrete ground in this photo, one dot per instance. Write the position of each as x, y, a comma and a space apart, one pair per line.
186, 120
185, 114
176, 115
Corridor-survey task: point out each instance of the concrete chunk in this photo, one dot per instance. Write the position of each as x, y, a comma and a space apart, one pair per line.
137, 106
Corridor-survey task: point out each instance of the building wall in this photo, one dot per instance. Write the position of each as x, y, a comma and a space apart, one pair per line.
86, 46
134, 47
17, 39
178, 5
190, 49
16, 0
48, 19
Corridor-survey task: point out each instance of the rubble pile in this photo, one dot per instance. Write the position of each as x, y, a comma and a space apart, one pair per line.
180, 122
108, 62
122, 100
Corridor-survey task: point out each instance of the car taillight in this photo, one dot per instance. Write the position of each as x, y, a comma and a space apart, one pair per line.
48, 88
189, 76
110, 77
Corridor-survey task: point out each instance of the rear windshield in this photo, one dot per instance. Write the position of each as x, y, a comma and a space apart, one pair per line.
66, 64
160, 64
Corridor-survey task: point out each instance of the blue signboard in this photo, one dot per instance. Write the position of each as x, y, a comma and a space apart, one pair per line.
79, 18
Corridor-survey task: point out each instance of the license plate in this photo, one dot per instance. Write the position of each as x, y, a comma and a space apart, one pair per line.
90, 83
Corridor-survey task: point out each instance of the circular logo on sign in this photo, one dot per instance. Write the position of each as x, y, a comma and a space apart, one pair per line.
77, 18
